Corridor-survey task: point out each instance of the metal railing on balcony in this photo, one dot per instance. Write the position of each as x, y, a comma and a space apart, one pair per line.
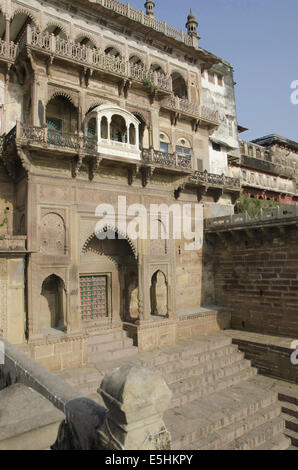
94, 58
44, 137
170, 160
185, 106
211, 179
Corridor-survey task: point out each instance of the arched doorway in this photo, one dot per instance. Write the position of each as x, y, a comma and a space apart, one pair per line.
159, 294
108, 278
52, 304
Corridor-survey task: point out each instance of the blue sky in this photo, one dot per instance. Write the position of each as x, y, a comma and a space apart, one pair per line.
260, 38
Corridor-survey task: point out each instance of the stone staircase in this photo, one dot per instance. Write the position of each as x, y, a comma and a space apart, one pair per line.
217, 401
110, 346
28, 421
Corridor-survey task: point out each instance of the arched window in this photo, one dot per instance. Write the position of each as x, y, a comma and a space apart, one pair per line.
164, 143
135, 60
183, 148
112, 51
56, 30
18, 26
85, 41
61, 115
118, 129
179, 85
156, 68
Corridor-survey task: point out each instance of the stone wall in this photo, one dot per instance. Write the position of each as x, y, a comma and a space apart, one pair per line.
256, 274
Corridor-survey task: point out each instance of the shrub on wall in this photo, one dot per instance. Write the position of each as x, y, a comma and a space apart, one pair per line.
253, 206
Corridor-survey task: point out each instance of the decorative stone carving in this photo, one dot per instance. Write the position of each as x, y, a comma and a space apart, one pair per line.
52, 234
136, 399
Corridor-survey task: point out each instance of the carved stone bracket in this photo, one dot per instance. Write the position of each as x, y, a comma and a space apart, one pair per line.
195, 125
85, 75
94, 165
147, 173
49, 63
201, 191
132, 173
25, 157
123, 87
174, 118
76, 164
218, 192
153, 95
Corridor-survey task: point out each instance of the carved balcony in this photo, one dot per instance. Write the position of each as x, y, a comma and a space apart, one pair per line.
199, 113
167, 160
95, 59
209, 179
43, 137
8, 51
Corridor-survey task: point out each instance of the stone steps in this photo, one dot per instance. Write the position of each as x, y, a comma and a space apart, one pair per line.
217, 401
184, 385
259, 436
110, 346
206, 416
278, 442
210, 388
228, 434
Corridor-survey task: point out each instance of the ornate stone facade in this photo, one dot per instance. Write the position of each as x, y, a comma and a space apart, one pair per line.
93, 111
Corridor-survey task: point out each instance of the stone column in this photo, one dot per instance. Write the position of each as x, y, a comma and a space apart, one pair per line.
7, 29
136, 399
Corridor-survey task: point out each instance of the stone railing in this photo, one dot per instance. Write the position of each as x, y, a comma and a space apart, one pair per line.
11, 243
131, 420
205, 178
8, 50
185, 106
281, 163
273, 215
94, 58
146, 20
170, 160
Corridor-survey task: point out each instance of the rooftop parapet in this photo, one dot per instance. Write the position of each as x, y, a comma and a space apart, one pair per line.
278, 216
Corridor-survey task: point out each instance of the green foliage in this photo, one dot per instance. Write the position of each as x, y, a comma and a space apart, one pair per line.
5, 220
253, 206
150, 85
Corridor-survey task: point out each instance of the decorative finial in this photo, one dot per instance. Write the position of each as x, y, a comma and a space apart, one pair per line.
149, 5
192, 25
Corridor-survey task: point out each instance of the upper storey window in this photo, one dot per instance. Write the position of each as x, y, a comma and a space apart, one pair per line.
116, 131
179, 86
164, 143
183, 148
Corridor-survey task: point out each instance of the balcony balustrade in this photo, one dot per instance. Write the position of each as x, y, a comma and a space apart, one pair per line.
209, 179
184, 106
149, 21
8, 51
171, 160
281, 163
43, 137
94, 58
